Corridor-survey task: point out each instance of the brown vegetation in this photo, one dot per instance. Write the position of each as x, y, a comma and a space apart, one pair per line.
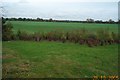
101, 37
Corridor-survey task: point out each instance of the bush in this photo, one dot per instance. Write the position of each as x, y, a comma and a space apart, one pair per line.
7, 32
82, 36
37, 36
92, 40
23, 35
63, 38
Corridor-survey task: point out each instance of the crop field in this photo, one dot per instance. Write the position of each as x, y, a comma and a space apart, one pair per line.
54, 59
28, 59
50, 26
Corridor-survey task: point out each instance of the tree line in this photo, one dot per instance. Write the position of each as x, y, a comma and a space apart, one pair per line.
81, 36
51, 20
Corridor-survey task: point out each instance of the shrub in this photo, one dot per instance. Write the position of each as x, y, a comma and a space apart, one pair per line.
37, 36
82, 36
7, 32
92, 39
63, 38
23, 35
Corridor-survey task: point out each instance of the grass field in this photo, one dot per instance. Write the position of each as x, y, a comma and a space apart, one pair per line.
49, 26
29, 59
55, 59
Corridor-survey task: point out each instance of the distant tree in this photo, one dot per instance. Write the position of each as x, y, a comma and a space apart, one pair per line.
41, 19
13, 19
20, 19
99, 21
38, 19
7, 19
24, 19
110, 21
50, 19
90, 20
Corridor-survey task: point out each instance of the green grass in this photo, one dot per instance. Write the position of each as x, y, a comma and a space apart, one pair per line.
31, 26
28, 59
55, 59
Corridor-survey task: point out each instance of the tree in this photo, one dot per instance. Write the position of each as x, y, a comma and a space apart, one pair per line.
111, 21
90, 20
99, 21
20, 19
24, 19
7, 33
38, 19
50, 19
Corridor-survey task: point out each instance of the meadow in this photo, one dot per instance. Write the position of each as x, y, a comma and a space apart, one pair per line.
50, 26
53, 59
26, 59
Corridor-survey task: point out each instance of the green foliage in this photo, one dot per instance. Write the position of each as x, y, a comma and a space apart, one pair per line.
115, 36
23, 35
37, 36
81, 36
92, 36
7, 32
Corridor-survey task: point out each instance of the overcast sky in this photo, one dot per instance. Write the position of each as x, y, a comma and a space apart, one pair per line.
62, 9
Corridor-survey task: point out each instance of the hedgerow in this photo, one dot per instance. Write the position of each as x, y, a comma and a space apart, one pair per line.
82, 36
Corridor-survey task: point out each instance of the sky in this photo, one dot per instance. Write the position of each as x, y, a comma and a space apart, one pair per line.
61, 9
